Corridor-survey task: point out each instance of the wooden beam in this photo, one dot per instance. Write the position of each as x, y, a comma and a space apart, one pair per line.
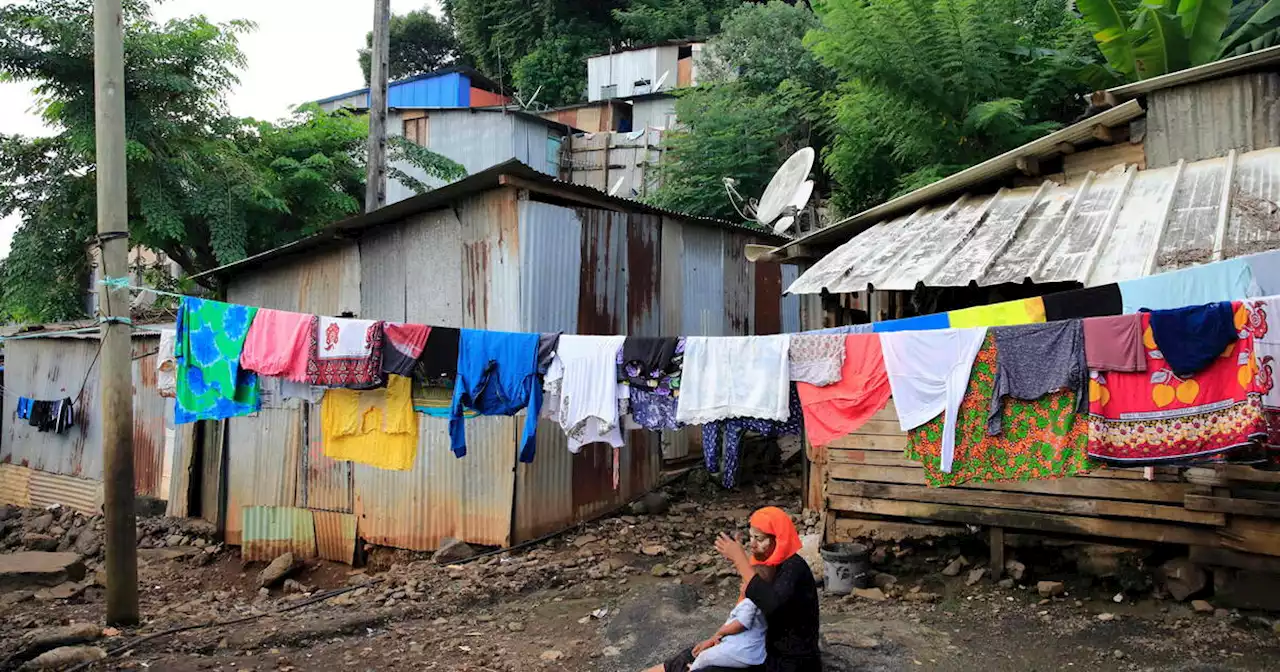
1026, 502
1066, 148
996, 541
1221, 557
1103, 134
1040, 522
1028, 165
1242, 507
851, 529
1251, 535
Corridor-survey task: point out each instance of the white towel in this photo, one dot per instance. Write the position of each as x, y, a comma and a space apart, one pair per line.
734, 377
583, 392
167, 365
928, 373
342, 338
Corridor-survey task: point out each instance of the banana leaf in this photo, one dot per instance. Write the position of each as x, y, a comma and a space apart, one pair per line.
1203, 22
1110, 21
1161, 46
1259, 31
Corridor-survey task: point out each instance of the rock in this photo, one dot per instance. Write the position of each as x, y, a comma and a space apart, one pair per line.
884, 581
63, 591
1202, 607
34, 541
87, 542
291, 586
975, 575
34, 568
1105, 617
611, 652
41, 523
7, 511
1221, 613
1016, 570
1050, 588
810, 550
16, 597
174, 540
164, 554
515, 626
954, 568
277, 571
662, 570
1005, 583
38, 641
64, 657
652, 504
453, 550
1182, 579
1117, 654
873, 594
551, 656
585, 540
652, 550
922, 597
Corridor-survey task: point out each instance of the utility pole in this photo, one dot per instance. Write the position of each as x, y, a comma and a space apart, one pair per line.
375, 195
115, 373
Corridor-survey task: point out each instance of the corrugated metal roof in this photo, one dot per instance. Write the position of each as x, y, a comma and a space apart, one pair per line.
1200, 73
478, 80
448, 195
1006, 163
1103, 228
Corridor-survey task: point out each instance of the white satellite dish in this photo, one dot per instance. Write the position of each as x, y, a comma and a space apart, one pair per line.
661, 80
617, 186
789, 188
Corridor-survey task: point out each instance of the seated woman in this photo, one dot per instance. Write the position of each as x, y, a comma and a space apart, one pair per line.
737, 645
789, 602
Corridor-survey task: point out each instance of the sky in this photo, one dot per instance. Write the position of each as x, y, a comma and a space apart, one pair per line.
302, 50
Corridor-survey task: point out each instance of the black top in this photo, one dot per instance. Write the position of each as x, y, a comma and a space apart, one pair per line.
439, 361
1077, 304
790, 606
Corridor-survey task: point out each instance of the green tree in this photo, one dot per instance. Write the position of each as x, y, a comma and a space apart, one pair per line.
205, 188
420, 43
649, 21
758, 103
930, 87
1149, 38
556, 69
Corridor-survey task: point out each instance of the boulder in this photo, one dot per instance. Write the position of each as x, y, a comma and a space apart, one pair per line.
41, 524
1183, 579
36, 541
1202, 607
453, 550
954, 568
35, 568
1050, 588
87, 542
975, 575
652, 504
872, 594
62, 591
8, 511
36, 642
64, 657
278, 570
1016, 570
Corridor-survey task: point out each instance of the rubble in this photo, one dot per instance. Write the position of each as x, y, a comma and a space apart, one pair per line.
36, 642
276, 572
64, 657
1202, 607
1050, 588
451, 551
873, 594
956, 565
1182, 579
38, 568
975, 575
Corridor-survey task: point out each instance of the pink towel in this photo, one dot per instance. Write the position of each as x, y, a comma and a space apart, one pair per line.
1114, 343
278, 344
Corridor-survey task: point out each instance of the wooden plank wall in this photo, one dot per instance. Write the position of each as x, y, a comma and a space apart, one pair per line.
864, 482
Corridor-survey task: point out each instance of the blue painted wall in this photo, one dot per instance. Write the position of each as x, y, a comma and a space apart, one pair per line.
448, 90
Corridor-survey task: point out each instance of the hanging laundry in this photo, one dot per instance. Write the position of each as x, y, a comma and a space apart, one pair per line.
1114, 343
921, 323
1159, 417
1267, 341
1009, 313
1046, 438
24, 408
816, 359
839, 409
167, 365
646, 361
842, 331
402, 346
373, 427
652, 400
211, 383
439, 362
278, 344
275, 391
928, 371
496, 375
734, 377
435, 401
1078, 304
346, 353
1266, 273
653, 409
547, 351
1229, 280
1191, 338
63, 415
1034, 360
41, 415
582, 391
731, 433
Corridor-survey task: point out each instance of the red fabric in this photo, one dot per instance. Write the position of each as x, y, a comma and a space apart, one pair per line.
863, 390
774, 521
278, 344
1154, 417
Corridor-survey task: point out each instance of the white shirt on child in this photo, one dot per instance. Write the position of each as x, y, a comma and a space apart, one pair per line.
745, 649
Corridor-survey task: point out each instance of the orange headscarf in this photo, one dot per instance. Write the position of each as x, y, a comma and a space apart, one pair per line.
774, 521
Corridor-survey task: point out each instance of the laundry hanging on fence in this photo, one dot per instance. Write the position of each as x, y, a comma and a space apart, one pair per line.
1191, 338
816, 359
861, 391
1114, 343
1230, 280
920, 323
1159, 417
497, 374
1078, 304
278, 343
728, 434
211, 384
734, 377
373, 427
1034, 360
582, 391
438, 364
1043, 439
346, 353
1267, 341
402, 346
1008, 313
167, 365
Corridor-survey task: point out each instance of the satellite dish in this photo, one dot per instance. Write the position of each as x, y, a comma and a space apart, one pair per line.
783, 224
661, 80
613, 191
789, 188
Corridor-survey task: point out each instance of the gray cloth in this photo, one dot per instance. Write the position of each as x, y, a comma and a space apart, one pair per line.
1266, 273
1033, 360
547, 351
845, 330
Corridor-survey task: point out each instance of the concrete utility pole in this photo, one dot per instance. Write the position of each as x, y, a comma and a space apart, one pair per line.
375, 195
115, 372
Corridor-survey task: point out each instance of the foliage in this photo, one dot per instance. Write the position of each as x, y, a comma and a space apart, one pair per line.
1153, 37
205, 188
1253, 25
556, 69
930, 87
420, 43
759, 103
401, 149
650, 21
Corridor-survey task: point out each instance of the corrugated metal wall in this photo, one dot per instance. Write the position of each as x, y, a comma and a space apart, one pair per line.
654, 113
448, 90
704, 298
626, 68
1207, 119
263, 452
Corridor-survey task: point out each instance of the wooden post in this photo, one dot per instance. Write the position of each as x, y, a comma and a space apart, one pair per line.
375, 195
115, 372
997, 552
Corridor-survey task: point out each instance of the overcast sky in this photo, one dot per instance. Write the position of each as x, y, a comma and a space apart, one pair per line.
303, 50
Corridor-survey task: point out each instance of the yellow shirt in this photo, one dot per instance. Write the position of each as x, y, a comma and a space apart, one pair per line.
374, 427
1009, 313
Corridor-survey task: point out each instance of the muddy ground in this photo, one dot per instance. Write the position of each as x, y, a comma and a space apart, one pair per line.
623, 592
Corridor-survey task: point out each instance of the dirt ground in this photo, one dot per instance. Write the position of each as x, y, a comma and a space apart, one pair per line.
623, 592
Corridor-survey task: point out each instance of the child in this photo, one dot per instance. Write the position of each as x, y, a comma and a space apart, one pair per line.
739, 643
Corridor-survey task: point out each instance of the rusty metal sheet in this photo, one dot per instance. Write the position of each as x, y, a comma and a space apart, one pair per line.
644, 275
336, 536
550, 259
467, 498
262, 456
768, 298
703, 296
53, 368
271, 531
324, 282
325, 484
544, 488
184, 467
80, 494
149, 421
671, 286
739, 286
490, 261
602, 308
15, 485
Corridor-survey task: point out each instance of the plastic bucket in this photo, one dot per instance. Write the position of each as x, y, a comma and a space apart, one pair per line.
845, 567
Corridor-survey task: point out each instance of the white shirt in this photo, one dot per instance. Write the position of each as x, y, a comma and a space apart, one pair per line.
744, 649
583, 390
928, 373
734, 377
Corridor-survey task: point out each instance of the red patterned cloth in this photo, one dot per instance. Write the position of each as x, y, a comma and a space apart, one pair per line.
1268, 361
346, 353
1157, 417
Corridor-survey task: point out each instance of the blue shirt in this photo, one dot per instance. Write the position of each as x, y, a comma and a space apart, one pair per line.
1229, 280
921, 323
497, 375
